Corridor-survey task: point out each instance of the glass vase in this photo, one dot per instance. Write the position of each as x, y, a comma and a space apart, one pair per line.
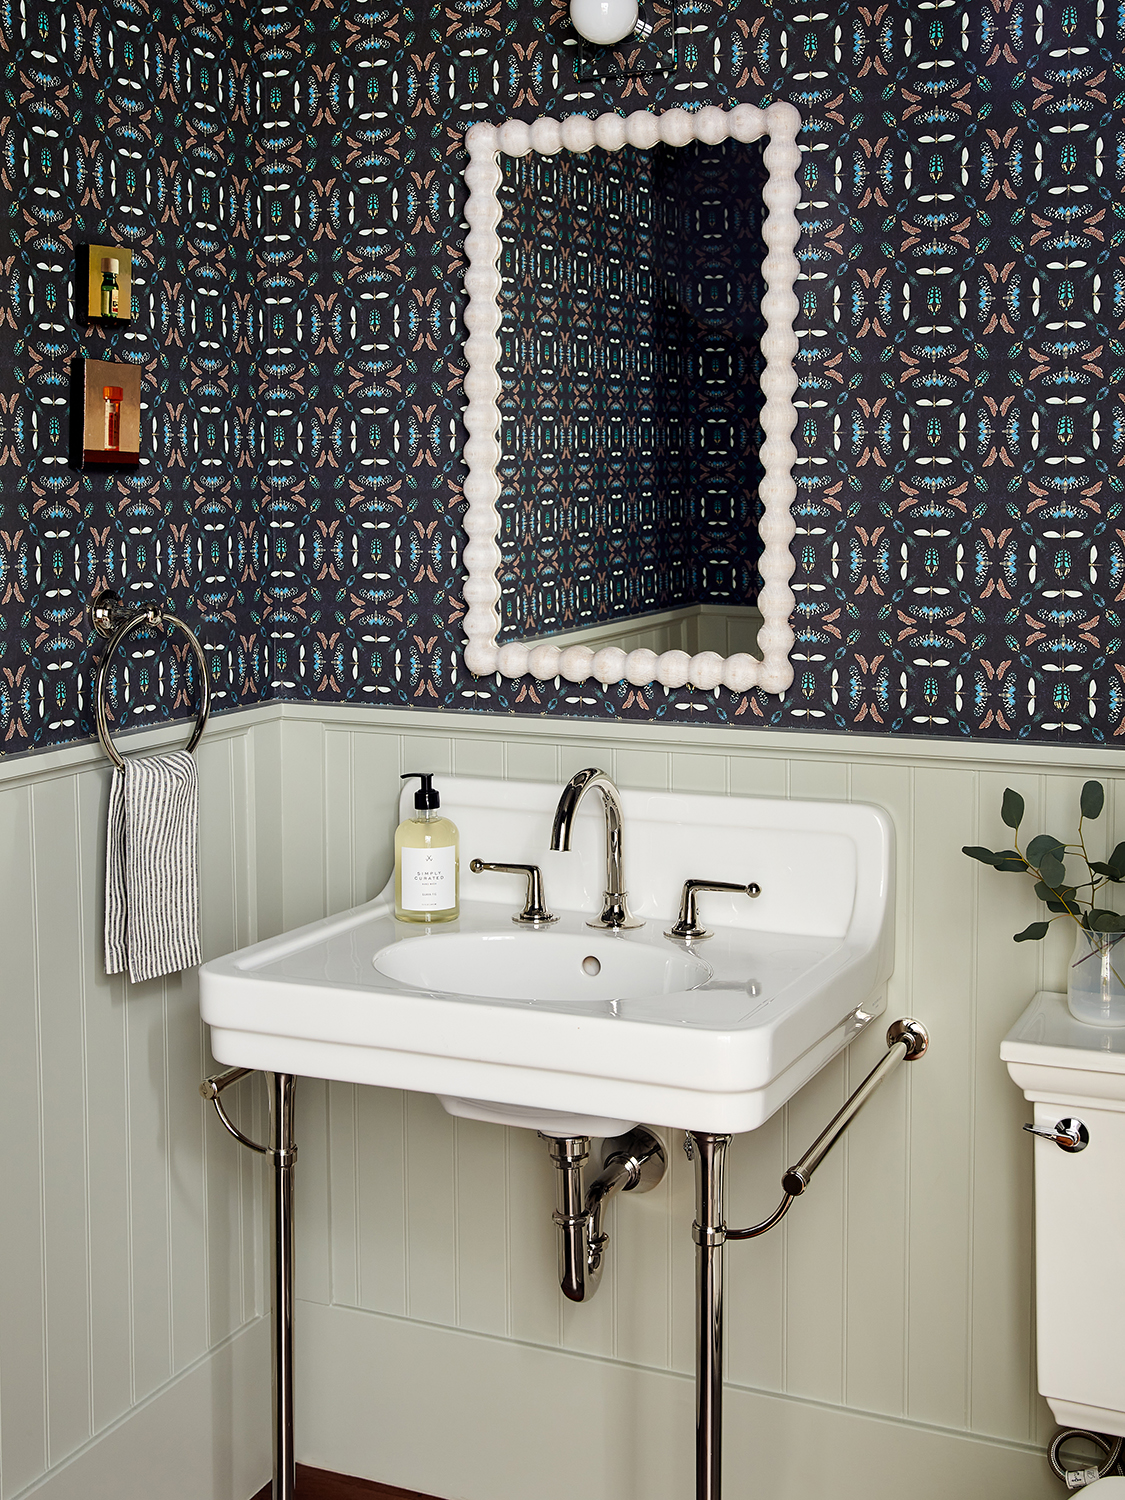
1095, 992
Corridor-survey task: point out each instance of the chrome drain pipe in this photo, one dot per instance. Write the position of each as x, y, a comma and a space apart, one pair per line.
633, 1163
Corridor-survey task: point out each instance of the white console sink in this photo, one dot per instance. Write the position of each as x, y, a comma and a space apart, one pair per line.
520, 1026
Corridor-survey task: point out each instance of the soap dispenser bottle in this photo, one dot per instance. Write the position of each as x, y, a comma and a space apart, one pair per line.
427, 864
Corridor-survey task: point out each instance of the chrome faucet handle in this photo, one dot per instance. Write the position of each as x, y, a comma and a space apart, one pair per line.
1069, 1135
688, 927
535, 913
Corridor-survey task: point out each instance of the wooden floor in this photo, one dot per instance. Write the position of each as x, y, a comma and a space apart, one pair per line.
319, 1484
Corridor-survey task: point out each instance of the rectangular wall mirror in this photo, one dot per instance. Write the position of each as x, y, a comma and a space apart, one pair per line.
630, 379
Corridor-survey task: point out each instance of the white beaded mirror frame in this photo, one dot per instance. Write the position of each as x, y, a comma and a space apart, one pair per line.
677, 127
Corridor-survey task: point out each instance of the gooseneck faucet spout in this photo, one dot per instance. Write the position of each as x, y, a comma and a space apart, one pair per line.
615, 901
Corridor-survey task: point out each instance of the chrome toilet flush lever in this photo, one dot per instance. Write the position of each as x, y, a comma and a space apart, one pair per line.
688, 927
535, 913
1069, 1135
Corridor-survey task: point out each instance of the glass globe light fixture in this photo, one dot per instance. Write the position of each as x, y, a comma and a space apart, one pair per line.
604, 22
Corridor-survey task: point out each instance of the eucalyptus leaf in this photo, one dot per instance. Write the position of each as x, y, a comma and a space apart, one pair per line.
1106, 921
1117, 863
1092, 800
1057, 901
1004, 859
1012, 808
1053, 871
975, 851
1044, 843
1033, 933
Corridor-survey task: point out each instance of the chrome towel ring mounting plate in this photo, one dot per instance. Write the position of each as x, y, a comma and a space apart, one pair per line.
114, 621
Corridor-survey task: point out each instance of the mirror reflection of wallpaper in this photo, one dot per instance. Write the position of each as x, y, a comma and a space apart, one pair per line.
630, 365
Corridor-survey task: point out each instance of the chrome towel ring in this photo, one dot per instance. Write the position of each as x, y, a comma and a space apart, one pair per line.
114, 621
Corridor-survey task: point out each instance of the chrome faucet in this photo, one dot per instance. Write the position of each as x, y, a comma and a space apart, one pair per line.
615, 901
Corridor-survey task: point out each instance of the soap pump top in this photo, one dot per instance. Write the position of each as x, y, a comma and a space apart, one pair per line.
425, 798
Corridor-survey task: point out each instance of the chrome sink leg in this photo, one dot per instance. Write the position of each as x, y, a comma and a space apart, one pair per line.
709, 1232
284, 1156
282, 1151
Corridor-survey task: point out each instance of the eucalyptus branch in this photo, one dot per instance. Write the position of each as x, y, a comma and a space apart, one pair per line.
1044, 859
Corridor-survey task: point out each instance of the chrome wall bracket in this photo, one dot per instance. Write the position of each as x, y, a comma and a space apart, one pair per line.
633, 1163
282, 1152
906, 1040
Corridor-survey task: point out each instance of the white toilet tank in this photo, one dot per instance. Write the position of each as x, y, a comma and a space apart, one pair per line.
1073, 1071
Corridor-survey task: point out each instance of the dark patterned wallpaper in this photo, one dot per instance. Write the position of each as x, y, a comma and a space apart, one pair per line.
631, 292
960, 562
119, 125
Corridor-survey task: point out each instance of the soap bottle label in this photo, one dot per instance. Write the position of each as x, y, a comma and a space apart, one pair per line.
429, 879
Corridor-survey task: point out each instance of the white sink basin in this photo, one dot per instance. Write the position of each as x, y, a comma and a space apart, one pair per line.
546, 965
716, 1038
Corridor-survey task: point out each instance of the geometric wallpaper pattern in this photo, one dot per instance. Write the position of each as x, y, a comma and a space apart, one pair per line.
630, 293
289, 179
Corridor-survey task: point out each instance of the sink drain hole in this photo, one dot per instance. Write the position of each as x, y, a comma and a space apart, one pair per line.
591, 966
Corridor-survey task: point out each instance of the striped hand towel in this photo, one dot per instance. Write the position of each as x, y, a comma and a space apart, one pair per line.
151, 867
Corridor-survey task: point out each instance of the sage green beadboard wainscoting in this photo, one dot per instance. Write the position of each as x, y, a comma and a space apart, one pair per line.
882, 1337
134, 1350
886, 1326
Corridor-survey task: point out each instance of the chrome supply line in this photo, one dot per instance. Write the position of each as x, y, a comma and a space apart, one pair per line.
907, 1040
633, 1163
282, 1152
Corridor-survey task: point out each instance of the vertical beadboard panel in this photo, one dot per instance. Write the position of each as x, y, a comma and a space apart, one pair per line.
63, 1097
107, 1126
339, 821
302, 810
312, 1192
431, 1212
268, 792
23, 1354
878, 1179
342, 1164
375, 767
481, 1171
941, 1100
381, 1193
1003, 1227
149, 1183
207, 1201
